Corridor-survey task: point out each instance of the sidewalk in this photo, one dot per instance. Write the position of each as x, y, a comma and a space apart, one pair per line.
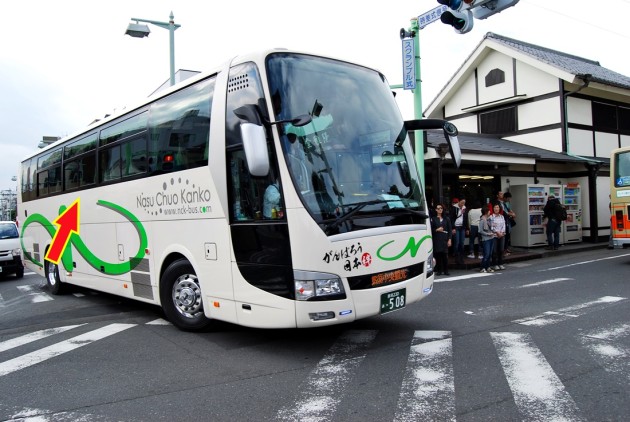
525, 254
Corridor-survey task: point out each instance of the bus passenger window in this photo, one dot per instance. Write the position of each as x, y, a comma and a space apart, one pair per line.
71, 175
134, 159
179, 129
110, 164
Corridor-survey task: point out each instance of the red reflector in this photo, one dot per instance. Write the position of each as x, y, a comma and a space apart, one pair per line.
168, 158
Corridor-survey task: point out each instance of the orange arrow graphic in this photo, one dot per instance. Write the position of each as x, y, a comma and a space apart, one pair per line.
68, 222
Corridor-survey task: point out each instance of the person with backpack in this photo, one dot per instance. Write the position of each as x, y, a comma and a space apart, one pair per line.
555, 214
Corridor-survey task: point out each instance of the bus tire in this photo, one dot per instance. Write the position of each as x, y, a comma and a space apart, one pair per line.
19, 273
181, 297
52, 278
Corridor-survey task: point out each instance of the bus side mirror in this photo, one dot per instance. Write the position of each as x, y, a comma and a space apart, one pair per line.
450, 134
255, 147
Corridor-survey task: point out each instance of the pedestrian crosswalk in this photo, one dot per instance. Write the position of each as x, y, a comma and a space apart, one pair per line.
33, 293
24, 293
536, 388
427, 384
428, 387
60, 348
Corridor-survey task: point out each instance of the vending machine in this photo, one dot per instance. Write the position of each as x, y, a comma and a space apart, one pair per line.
572, 200
528, 202
557, 191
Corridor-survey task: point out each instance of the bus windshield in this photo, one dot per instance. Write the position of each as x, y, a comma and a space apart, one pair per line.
352, 164
622, 169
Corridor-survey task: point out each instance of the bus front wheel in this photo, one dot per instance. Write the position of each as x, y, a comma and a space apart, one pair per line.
52, 278
181, 298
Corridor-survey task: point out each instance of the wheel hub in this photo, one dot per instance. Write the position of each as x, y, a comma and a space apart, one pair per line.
52, 273
187, 295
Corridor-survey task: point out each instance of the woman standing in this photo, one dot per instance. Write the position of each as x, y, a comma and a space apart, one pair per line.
487, 240
497, 222
441, 231
472, 225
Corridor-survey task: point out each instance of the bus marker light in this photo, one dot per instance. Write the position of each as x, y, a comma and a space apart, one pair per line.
147, 251
125, 286
216, 304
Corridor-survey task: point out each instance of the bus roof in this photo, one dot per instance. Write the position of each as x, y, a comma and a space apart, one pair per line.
255, 56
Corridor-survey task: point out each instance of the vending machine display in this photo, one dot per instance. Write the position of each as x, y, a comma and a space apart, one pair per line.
572, 200
528, 202
557, 191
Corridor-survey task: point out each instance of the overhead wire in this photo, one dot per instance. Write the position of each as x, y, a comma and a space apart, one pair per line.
581, 20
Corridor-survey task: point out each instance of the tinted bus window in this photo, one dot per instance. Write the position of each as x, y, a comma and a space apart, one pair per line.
124, 129
179, 128
80, 147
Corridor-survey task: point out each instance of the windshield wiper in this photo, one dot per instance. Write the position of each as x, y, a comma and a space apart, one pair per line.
353, 211
410, 211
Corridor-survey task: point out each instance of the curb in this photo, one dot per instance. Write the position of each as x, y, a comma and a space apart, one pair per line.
524, 254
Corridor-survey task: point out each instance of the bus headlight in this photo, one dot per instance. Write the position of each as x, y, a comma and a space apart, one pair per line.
16, 252
430, 265
310, 284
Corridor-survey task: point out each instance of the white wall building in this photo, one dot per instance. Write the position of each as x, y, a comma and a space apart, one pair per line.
529, 114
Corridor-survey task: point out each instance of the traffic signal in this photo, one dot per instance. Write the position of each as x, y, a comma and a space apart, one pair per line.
458, 15
457, 4
489, 8
461, 22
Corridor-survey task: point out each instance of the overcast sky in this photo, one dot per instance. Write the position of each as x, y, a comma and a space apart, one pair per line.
65, 63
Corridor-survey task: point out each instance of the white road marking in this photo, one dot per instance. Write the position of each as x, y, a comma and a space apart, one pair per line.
321, 393
428, 388
463, 277
540, 283
31, 337
605, 346
563, 314
616, 332
36, 296
521, 264
538, 392
28, 414
159, 321
57, 349
585, 262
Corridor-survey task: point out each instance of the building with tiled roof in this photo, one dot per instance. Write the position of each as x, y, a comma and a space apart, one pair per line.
532, 115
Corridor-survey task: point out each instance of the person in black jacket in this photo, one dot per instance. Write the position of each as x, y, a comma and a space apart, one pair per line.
441, 231
553, 213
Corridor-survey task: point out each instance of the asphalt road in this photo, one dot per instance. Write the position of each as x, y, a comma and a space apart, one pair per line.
547, 339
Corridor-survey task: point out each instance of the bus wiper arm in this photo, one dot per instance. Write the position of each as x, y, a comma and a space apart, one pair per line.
353, 211
420, 213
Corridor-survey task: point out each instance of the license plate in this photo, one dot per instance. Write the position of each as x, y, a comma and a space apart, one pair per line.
393, 300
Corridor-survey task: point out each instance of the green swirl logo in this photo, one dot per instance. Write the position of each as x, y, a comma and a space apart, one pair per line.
95, 262
411, 247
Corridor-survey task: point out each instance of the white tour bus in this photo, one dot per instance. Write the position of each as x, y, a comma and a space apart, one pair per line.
278, 191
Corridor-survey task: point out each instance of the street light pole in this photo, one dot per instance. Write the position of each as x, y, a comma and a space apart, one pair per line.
141, 31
